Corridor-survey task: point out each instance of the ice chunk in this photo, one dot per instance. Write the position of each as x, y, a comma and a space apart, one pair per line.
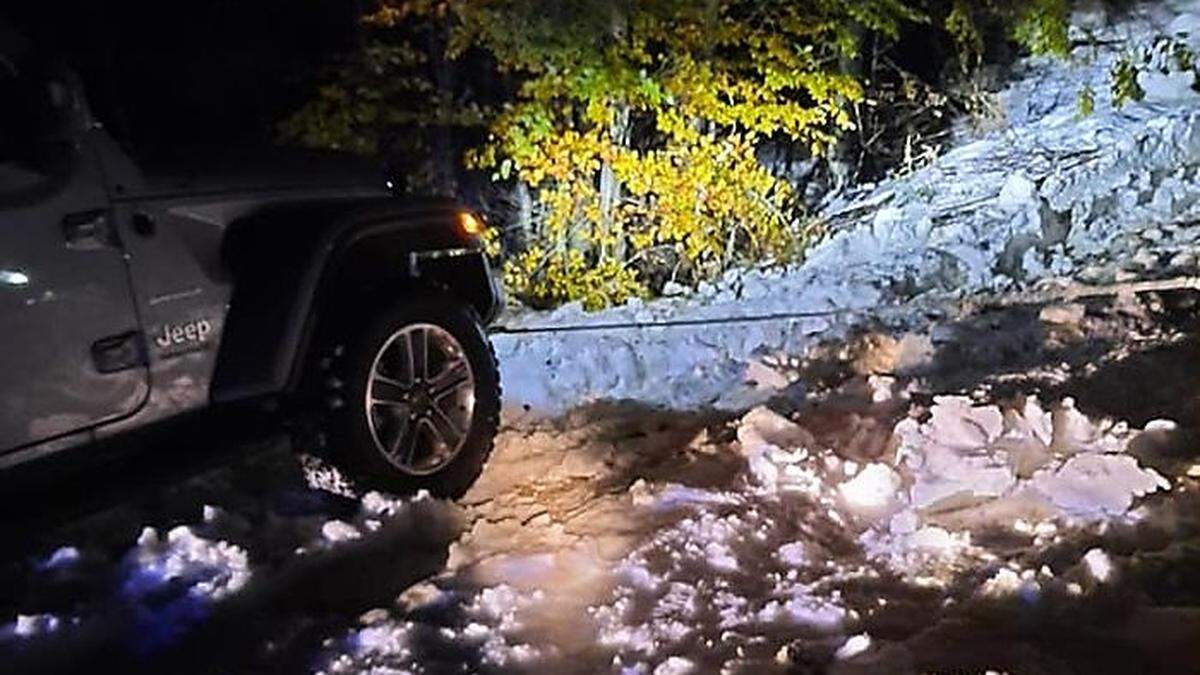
61, 557
1074, 432
1092, 484
337, 531
676, 665
934, 539
806, 610
763, 426
874, 488
952, 454
29, 625
379, 504
853, 646
212, 569
1098, 564
1003, 583
793, 554
1018, 191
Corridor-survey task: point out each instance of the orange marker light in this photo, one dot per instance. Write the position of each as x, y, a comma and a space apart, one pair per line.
471, 224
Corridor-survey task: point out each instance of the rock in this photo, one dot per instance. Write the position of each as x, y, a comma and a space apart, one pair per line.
875, 354
585, 462
373, 616
765, 426
420, 595
1063, 315
1144, 259
1184, 260
916, 352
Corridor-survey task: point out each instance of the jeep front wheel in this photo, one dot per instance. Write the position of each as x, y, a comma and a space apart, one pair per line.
419, 400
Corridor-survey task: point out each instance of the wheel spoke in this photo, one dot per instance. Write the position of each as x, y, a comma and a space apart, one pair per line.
453, 377
445, 428
389, 403
418, 354
387, 390
389, 381
404, 445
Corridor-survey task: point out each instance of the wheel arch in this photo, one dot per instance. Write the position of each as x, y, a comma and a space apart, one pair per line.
302, 270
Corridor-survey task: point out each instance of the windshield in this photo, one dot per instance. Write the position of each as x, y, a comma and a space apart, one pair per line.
29, 114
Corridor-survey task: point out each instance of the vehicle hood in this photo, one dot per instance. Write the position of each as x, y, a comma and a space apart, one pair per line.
208, 171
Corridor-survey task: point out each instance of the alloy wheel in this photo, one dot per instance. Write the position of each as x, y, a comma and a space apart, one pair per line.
420, 398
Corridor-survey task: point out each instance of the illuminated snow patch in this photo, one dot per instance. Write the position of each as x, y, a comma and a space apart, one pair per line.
379, 504
30, 625
61, 557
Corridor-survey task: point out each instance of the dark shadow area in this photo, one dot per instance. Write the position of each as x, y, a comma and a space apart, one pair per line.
240, 463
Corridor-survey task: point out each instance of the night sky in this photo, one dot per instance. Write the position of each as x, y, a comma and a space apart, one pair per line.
167, 74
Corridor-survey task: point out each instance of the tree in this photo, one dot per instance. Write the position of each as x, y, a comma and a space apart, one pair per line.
634, 125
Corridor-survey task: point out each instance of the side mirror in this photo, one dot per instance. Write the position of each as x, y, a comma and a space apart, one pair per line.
12, 48
67, 103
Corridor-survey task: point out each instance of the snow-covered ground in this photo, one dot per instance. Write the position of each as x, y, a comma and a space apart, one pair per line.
872, 482
1042, 195
880, 525
989, 511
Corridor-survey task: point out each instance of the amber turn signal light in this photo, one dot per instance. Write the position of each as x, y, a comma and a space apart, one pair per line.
471, 224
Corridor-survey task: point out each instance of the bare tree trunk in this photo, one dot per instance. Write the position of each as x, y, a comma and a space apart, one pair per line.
844, 160
524, 217
610, 189
610, 186
443, 159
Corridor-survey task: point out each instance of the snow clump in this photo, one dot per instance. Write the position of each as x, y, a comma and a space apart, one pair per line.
210, 569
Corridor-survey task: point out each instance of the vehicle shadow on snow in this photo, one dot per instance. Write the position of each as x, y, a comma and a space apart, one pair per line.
272, 624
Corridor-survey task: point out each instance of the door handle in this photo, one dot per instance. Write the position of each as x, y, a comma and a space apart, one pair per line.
86, 230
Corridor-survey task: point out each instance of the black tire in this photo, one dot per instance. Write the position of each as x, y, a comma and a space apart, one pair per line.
350, 442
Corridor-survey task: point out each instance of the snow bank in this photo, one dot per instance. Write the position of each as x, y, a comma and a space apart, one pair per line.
1046, 195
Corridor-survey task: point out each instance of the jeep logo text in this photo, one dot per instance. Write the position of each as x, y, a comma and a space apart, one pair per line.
192, 334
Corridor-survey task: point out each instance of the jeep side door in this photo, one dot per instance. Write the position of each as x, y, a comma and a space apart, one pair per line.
71, 348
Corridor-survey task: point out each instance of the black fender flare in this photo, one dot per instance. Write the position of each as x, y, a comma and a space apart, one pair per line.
288, 261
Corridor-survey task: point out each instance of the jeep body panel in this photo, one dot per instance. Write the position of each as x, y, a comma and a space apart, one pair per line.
224, 283
64, 291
